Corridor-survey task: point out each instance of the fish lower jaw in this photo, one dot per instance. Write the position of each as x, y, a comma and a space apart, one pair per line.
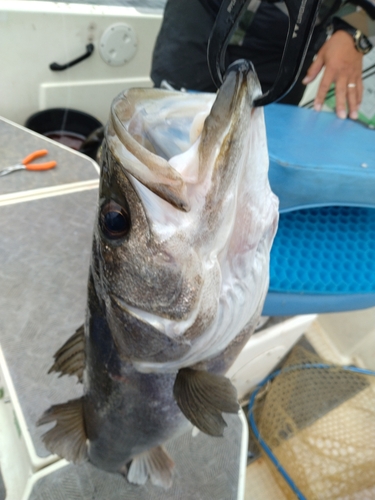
169, 327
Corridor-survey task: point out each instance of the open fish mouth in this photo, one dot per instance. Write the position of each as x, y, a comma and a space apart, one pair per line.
149, 127
198, 164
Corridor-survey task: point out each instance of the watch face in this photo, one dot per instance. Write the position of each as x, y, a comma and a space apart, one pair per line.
363, 43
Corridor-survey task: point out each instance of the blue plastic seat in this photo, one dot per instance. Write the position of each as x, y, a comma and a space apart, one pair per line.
323, 171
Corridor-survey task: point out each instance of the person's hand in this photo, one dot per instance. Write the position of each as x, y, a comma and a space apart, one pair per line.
343, 66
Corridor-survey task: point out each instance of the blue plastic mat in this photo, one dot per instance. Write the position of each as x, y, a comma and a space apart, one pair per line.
327, 250
322, 260
316, 159
323, 171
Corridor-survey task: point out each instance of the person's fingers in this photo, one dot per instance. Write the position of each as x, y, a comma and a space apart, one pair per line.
342, 66
351, 96
343, 92
313, 70
352, 100
359, 92
325, 84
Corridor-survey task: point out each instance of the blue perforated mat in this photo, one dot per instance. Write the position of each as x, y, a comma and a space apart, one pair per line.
327, 250
323, 260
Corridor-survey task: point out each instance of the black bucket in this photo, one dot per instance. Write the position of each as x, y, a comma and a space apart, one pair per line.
66, 126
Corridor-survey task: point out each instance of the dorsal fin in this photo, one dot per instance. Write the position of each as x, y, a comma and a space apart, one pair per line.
155, 464
68, 438
70, 358
202, 397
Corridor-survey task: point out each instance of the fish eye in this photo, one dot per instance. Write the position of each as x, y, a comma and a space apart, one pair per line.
114, 220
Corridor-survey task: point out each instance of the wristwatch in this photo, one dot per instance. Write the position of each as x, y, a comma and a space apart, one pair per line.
361, 42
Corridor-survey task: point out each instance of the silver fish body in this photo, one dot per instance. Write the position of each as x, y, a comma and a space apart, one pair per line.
125, 412
178, 275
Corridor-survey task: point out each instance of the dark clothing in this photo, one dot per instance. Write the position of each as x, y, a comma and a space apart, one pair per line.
180, 53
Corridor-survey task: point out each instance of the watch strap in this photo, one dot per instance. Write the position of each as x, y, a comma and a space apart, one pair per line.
340, 24
361, 42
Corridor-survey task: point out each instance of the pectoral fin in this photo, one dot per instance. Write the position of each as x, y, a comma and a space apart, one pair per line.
70, 358
155, 464
203, 396
68, 438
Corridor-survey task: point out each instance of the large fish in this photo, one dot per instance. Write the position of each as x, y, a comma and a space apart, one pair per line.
178, 275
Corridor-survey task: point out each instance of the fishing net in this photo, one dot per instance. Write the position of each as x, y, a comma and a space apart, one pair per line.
316, 425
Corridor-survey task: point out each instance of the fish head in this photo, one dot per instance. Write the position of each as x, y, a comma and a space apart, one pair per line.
185, 220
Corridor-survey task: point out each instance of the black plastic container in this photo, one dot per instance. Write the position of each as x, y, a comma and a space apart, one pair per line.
66, 126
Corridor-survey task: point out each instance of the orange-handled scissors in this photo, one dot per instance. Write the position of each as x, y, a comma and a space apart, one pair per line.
26, 163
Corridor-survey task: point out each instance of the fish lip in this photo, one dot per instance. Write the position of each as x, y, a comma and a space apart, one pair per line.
244, 72
169, 327
241, 66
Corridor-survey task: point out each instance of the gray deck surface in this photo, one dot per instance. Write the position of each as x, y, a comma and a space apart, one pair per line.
15, 144
45, 251
44, 254
206, 468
